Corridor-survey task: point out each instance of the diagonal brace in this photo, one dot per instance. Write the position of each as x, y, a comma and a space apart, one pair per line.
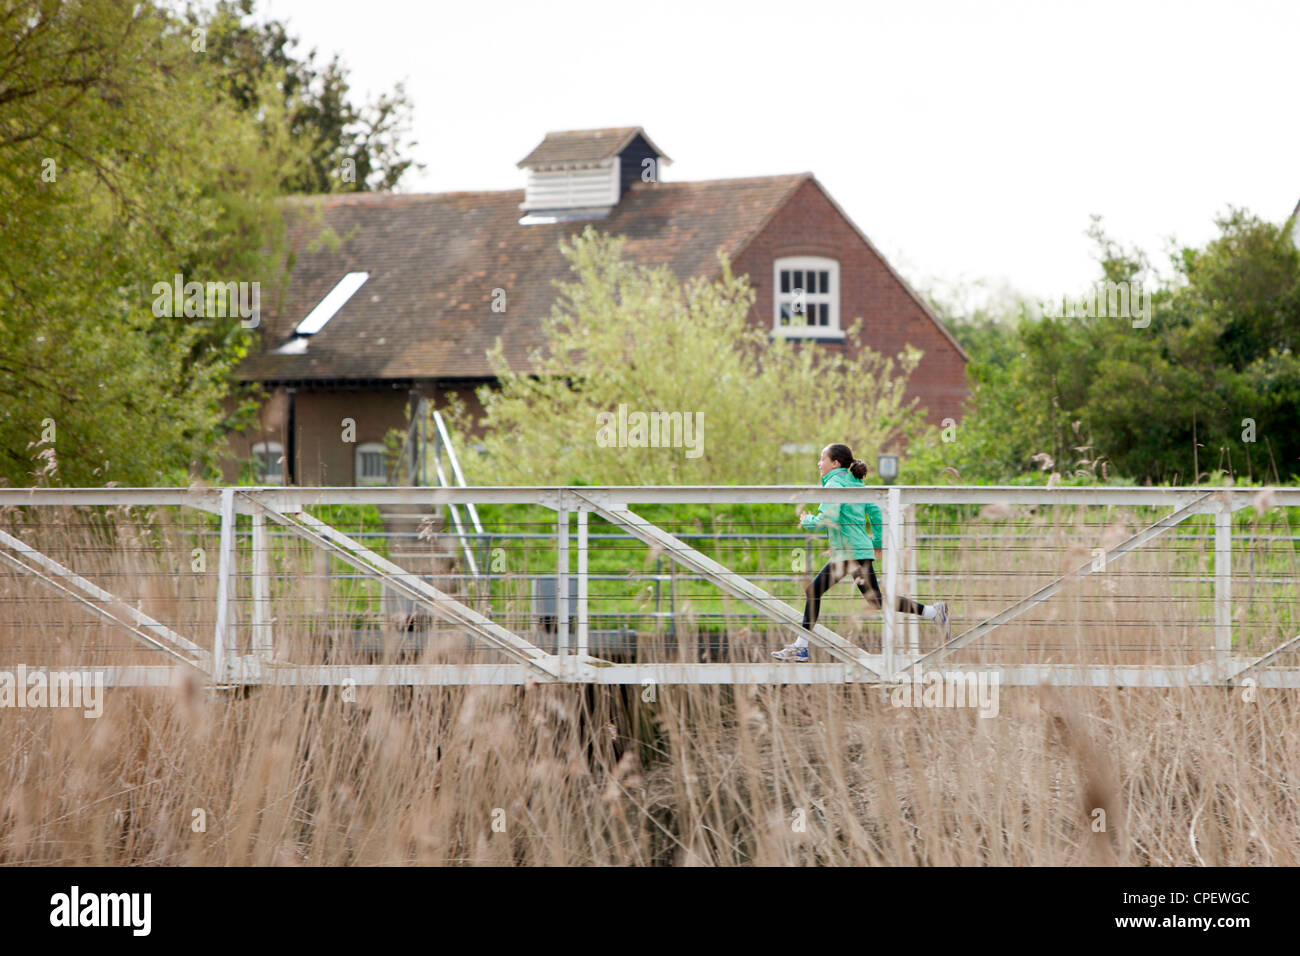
111, 608
733, 584
412, 587
1264, 660
1048, 590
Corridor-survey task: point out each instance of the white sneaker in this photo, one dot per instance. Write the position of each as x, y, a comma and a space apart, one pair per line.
792, 653
941, 618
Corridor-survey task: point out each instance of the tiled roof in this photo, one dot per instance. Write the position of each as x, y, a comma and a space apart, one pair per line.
434, 261
584, 146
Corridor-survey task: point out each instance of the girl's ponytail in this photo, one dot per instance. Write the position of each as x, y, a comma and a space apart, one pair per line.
858, 468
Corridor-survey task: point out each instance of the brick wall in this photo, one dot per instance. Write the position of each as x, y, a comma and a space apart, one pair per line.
323, 457
810, 225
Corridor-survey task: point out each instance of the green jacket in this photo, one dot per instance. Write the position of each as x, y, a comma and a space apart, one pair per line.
846, 524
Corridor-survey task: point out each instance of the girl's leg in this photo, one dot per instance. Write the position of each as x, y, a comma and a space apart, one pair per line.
864, 576
826, 577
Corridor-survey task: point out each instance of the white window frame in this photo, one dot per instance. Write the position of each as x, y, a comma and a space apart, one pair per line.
832, 330
367, 448
268, 455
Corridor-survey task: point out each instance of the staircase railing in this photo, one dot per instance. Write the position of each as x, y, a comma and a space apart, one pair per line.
413, 464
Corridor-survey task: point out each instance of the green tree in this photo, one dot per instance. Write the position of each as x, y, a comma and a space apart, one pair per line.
121, 165
1169, 402
1004, 423
345, 146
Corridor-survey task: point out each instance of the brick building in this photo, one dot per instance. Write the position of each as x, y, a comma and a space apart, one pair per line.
404, 302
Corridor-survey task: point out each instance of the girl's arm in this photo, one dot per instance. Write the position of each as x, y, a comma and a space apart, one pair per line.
876, 522
826, 515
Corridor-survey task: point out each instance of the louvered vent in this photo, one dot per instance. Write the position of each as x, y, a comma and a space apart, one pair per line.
572, 188
582, 174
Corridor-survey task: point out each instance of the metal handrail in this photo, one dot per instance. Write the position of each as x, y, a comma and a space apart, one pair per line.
413, 459
455, 467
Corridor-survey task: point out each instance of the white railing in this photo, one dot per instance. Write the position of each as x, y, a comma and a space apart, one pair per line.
269, 584
413, 462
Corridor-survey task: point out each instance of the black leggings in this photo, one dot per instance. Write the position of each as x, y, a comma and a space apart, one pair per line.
864, 576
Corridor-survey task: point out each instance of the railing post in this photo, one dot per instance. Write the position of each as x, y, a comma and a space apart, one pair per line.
220, 639
1223, 583
909, 578
487, 564
893, 540
263, 641
420, 447
582, 582
562, 578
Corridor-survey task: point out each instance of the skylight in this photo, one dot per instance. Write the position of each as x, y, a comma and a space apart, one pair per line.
295, 346
337, 298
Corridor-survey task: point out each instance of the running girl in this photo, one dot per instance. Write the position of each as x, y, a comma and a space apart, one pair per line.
851, 550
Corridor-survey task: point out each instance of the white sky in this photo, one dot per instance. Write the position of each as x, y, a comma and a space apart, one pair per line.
970, 141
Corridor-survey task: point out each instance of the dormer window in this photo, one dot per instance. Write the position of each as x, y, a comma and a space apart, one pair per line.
806, 298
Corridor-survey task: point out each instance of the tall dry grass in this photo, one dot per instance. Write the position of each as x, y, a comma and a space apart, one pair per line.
557, 775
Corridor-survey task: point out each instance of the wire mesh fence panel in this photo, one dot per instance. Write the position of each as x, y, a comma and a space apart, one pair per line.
337, 578
105, 587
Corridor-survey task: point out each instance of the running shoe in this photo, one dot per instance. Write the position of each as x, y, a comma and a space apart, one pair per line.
941, 618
